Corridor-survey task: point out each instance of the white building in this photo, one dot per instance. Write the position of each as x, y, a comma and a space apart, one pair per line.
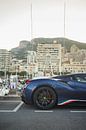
5, 59
49, 57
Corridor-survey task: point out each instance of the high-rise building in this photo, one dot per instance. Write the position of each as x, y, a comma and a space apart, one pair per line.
5, 58
49, 57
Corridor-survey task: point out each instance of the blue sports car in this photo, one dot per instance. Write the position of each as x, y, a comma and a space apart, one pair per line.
45, 93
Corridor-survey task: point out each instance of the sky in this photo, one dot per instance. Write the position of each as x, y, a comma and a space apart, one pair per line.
47, 20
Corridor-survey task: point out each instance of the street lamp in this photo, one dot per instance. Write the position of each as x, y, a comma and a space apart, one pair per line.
60, 61
27, 65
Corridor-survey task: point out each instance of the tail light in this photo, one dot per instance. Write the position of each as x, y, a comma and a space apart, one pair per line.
27, 81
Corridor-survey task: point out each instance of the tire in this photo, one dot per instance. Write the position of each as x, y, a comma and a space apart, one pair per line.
44, 98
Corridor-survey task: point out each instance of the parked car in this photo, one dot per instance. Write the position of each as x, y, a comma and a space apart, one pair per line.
45, 93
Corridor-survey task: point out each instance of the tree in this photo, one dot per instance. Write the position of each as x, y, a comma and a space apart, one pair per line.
1, 73
22, 73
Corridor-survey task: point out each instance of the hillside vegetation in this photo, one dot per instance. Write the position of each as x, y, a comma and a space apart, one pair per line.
20, 52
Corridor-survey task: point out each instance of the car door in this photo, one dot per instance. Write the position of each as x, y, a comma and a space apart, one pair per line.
78, 84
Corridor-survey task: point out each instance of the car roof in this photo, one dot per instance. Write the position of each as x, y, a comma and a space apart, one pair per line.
69, 75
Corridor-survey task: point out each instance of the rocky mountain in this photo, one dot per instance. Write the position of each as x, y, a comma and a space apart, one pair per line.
20, 52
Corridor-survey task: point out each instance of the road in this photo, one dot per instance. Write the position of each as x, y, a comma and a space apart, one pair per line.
14, 115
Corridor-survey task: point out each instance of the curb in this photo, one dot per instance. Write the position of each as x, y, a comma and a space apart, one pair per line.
10, 97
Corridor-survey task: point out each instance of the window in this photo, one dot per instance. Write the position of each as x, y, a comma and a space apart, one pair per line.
81, 78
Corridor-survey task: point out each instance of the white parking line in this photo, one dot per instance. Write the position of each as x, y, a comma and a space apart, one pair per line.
6, 111
15, 109
10, 101
78, 111
40, 111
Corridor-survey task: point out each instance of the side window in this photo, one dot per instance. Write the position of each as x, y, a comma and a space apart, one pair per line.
68, 78
81, 78
85, 77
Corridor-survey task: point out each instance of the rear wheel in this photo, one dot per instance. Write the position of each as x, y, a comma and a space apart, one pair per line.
44, 98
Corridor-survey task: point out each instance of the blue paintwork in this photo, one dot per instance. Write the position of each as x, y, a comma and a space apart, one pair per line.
70, 89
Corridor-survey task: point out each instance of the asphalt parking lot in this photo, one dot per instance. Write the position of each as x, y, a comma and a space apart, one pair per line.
15, 115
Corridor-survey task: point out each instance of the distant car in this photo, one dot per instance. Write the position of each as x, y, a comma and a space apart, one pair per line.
45, 93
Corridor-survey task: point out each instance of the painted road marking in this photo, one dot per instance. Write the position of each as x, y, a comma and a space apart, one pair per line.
78, 111
40, 111
6, 111
10, 101
15, 109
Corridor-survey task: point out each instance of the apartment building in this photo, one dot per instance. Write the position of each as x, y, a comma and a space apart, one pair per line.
5, 58
74, 67
49, 57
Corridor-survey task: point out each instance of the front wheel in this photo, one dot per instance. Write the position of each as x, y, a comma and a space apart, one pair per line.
44, 98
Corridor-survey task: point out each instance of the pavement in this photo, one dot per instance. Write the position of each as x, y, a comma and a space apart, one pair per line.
15, 115
10, 97
13, 95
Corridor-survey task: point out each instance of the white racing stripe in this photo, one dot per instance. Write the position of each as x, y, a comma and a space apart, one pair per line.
70, 101
41, 111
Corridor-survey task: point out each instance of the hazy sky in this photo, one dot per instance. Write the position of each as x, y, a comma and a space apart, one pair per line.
47, 20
